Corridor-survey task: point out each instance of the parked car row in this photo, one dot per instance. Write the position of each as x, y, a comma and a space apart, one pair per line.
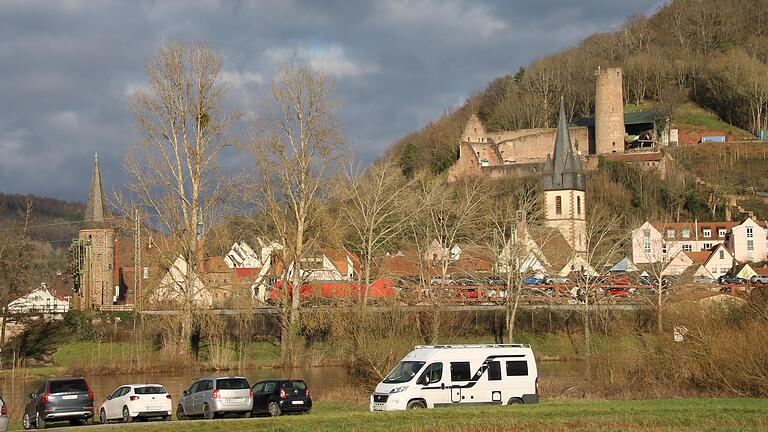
71, 400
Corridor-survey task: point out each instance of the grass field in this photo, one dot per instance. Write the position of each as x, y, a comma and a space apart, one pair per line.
554, 416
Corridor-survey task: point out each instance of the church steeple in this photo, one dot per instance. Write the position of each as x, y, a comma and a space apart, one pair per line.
94, 210
564, 170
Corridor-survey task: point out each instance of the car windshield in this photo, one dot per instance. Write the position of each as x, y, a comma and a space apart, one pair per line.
232, 384
149, 390
404, 372
68, 386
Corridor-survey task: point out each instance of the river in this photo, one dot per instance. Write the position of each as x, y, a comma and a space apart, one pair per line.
323, 382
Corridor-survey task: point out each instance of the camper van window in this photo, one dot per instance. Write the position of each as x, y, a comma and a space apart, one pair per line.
403, 372
517, 368
432, 374
460, 371
494, 371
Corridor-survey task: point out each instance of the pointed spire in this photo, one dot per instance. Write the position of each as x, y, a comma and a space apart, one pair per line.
94, 210
566, 169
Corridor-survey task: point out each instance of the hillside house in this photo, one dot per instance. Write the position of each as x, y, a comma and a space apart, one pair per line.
657, 242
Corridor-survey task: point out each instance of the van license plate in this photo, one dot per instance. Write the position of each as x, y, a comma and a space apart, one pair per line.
297, 402
68, 397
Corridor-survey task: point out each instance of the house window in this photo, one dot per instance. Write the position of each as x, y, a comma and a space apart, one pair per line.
664, 248
558, 205
578, 205
750, 233
708, 246
750, 245
707, 232
686, 233
670, 233
686, 248
146, 272
721, 232
722, 254
724, 270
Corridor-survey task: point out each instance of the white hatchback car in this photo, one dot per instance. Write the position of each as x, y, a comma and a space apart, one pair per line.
133, 401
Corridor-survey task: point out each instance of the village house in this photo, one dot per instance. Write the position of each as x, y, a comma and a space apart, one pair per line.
655, 242
702, 265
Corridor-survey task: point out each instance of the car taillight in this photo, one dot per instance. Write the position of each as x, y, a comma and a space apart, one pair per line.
133, 398
45, 398
251, 395
307, 392
4, 410
90, 395
215, 394
282, 393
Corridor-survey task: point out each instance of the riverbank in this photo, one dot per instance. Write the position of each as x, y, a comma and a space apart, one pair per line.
91, 358
556, 416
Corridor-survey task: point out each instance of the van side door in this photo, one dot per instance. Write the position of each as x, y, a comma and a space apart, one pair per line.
432, 385
461, 374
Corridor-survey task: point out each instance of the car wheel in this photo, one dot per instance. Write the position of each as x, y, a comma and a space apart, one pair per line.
415, 405
207, 413
515, 401
274, 409
39, 422
25, 422
126, 415
180, 413
102, 416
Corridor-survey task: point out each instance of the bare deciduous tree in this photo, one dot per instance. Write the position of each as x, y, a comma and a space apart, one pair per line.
183, 127
376, 207
16, 260
296, 145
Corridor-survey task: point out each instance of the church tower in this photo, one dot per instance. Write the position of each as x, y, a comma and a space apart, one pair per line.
96, 249
564, 186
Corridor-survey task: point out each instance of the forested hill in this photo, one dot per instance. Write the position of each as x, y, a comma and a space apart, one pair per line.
51, 218
710, 53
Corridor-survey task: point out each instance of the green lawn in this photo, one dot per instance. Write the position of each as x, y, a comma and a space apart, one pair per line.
555, 416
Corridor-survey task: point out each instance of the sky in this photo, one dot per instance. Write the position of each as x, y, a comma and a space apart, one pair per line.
67, 67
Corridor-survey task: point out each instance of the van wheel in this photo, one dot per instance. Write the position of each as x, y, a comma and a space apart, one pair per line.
415, 404
25, 422
207, 413
180, 413
515, 401
274, 409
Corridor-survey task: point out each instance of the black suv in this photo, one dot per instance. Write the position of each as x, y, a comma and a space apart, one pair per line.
59, 399
275, 397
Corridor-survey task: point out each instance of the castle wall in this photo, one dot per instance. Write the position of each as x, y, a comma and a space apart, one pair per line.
609, 111
533, 147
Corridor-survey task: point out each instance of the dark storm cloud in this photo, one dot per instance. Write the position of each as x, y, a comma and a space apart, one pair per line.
68, 66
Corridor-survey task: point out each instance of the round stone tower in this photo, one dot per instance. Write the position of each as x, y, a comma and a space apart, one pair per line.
609, 111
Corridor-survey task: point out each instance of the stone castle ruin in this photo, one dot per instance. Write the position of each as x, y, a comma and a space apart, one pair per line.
512, 153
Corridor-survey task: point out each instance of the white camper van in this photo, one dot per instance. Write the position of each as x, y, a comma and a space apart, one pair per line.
459, 375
